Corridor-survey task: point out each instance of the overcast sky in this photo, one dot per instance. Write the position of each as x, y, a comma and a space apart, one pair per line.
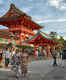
49, 13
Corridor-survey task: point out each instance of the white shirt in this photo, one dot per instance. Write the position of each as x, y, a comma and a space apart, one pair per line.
7, 53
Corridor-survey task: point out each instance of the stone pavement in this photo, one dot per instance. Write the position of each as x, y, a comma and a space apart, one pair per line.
37, 70
57, 74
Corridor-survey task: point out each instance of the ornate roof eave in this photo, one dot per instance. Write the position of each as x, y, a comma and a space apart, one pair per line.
44, 38
5, 33
11, 20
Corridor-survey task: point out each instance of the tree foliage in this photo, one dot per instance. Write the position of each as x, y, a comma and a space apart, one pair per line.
59, 40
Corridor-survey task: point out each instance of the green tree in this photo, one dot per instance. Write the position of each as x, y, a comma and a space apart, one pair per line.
54, 35
61, 40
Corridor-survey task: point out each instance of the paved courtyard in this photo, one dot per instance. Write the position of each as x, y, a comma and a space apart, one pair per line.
37, 70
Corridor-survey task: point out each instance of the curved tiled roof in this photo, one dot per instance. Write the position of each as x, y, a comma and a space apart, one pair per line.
13, 13
41, 37
44, 35
16, 15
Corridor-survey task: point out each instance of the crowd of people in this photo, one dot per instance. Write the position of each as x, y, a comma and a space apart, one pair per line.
57, 56
55, 53
19, 58
11, 54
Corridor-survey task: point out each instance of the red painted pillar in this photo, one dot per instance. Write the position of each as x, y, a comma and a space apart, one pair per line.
42, 51
35, 52
48, 50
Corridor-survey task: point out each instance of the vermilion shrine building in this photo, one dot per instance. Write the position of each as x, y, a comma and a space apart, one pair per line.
19, 23
41, 39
